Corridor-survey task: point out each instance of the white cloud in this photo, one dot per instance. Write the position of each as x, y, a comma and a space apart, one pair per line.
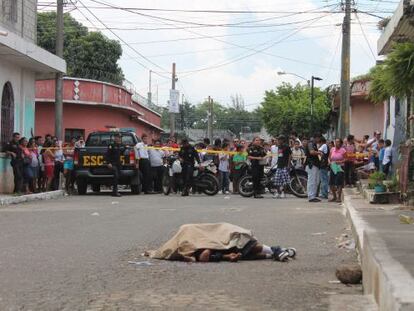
250, 77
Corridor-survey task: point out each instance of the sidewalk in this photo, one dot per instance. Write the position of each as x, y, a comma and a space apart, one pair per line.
386, 248
10, 199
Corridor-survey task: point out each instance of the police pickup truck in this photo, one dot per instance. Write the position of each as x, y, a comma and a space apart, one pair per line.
91, 167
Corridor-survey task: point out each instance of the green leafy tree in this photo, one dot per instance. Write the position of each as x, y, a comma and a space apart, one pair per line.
89, 55
232, 118
288, 108
379, 89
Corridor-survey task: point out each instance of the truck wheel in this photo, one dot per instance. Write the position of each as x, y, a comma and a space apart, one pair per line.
96, 188
82, 186
136, 189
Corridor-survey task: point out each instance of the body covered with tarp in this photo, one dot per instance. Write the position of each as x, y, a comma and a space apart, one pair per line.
191, 238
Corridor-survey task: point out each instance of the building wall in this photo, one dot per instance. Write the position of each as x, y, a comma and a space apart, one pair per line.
96, 92
76, 116
365, 117
22, 82
19, 16
396, 129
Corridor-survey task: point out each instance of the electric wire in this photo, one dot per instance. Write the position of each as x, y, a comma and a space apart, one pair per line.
122, 40
365, 37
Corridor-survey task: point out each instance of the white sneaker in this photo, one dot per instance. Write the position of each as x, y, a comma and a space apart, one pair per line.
276, 195
282, 195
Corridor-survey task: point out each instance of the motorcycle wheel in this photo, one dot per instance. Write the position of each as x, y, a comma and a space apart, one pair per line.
246, 186
166, 183
298, 185
213, 184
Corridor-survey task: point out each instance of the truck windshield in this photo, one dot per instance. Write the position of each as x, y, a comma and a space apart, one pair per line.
104, 139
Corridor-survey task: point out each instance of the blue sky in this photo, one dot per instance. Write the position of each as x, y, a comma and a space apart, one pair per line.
241, 58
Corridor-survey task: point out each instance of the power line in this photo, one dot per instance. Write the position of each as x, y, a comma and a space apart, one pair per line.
122, 40
202, 25
365, 37
241, 57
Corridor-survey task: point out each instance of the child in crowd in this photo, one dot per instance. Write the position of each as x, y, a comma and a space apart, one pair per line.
224, 169
387, 161
238, 159
298, 155
381, 151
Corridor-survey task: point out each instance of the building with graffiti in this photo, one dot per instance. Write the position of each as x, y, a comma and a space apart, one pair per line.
21, 63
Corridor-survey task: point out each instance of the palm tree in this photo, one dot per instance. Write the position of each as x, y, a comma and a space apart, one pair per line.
395, 77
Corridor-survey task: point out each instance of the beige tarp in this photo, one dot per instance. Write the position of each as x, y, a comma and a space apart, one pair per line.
193, 237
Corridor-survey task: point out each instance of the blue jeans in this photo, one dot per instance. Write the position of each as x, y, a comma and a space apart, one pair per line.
224, 181
324, 174
313, 181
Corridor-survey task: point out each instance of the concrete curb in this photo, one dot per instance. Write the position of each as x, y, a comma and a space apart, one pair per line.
32, 197
383, 276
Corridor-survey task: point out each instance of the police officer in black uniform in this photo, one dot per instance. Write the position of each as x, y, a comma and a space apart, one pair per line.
113, 158
15, 153
256, 154
187, 155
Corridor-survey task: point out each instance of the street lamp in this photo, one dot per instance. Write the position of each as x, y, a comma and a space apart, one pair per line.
311, 84
313, 98
281, 73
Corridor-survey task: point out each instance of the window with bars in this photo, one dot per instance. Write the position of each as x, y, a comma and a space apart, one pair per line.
7, 114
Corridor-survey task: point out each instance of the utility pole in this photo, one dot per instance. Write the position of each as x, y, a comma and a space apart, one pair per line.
345, 73
149, 90
59, 75
210, 119
182, 112
172, 114
312, 86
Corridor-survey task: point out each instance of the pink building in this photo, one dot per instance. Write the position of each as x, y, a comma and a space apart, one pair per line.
90, 105
365, 116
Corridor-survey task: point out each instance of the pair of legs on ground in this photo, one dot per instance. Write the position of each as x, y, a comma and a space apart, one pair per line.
337, 184
256, 252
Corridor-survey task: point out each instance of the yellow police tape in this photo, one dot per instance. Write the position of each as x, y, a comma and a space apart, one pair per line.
198, 150
357, 155
348, 155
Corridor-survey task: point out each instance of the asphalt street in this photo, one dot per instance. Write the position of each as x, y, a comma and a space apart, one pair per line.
72, 254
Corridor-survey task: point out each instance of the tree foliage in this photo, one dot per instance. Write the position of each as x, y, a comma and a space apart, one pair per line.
89, 55
288, 108
395, 76
233, 117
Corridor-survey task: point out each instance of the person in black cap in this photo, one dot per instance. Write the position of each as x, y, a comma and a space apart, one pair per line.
187, 155
113, 158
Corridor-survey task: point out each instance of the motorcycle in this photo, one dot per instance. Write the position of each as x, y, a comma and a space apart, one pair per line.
204, 179
297, 185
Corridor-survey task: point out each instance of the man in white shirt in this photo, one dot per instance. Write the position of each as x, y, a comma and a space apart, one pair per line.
324, 169
142, 156
373, 142
274, 150
156, 158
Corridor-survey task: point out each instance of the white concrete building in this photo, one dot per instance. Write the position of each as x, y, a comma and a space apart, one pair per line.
21, 61
400, 28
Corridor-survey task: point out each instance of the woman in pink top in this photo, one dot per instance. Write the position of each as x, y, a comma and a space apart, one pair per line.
336, 180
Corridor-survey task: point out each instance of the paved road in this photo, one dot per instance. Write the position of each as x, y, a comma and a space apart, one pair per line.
73, 253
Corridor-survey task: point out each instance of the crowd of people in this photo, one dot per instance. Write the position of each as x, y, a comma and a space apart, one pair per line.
330, 165
38, 163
